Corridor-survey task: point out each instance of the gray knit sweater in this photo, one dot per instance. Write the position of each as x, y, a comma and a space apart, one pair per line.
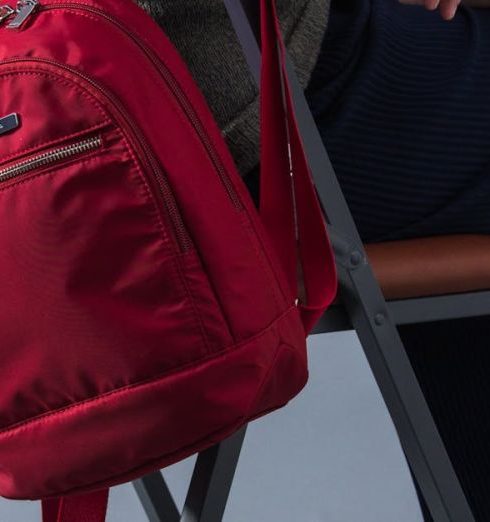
203, 34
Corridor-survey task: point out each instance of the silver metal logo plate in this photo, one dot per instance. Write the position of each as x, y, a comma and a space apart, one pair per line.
9, 123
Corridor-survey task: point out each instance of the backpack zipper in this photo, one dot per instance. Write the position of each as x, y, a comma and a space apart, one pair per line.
172, 84
158, 181
24, 9
22, 12
5, 13
49, 158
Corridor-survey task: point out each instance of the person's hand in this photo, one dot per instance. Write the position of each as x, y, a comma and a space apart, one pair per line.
447, 8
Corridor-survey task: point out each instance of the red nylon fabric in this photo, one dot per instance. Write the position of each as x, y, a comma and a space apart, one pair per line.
50, 508
148, 311
279, 128
82, 508
276, 188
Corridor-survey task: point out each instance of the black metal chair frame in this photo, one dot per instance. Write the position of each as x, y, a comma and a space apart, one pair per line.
364, 309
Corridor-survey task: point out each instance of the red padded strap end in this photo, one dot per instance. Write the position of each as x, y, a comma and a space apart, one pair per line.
91, 507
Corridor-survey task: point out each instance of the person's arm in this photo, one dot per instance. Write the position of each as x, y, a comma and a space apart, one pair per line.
447, 8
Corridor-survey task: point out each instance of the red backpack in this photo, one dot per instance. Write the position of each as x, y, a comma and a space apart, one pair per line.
148, 310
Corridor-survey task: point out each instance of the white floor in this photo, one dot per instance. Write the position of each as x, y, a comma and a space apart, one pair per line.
330, 456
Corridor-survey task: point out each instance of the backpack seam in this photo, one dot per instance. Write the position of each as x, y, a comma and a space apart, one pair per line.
42, 418
192, 300
165, 236
214, 293
31, 70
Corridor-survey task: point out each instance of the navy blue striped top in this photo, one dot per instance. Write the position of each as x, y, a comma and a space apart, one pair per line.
402, 100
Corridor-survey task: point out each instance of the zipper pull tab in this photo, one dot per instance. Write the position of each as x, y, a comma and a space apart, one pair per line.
25, 8
5, 12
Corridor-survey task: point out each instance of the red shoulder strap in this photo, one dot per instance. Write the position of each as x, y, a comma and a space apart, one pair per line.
289, 205
91, 507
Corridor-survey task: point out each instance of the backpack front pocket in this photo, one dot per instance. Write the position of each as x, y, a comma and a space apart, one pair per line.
95, 294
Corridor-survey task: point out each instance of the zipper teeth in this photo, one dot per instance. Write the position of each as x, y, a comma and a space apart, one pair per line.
177, 92
198, 127
182, 236
5, 12
50, 157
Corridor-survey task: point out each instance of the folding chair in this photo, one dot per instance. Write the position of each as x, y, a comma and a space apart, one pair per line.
394, 283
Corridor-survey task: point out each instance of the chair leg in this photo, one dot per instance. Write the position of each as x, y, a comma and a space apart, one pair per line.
418, 433
212, 479
156, 498
209, 489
